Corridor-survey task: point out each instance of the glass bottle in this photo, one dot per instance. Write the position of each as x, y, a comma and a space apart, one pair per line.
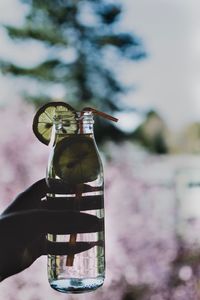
75, 176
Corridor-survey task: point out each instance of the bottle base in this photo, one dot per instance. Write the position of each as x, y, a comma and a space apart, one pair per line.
76, 285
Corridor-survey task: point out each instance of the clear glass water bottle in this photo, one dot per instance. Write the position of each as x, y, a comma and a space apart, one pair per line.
75, 176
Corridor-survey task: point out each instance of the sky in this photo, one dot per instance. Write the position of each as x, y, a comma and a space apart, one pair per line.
168, 80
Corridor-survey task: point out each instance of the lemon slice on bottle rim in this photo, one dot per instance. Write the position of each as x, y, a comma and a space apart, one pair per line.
44, 119
76, 160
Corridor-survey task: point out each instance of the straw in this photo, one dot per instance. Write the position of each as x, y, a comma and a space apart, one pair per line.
100, 113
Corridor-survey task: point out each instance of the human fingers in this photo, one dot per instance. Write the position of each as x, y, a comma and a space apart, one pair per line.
68, 222
58, 186
66, 248
30, 198
25, 225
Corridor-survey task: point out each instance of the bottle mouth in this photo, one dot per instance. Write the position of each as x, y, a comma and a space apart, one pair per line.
85, 117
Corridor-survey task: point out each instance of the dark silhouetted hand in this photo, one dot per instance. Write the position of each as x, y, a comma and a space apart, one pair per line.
24, 224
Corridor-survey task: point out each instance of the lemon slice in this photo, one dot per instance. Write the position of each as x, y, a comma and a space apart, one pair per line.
44, 118
76, 160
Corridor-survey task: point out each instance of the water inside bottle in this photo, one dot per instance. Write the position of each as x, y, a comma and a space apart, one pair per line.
87, 270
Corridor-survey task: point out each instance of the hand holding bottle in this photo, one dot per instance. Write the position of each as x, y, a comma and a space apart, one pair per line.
23, 228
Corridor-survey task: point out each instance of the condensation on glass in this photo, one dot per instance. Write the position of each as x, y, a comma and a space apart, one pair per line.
75, 176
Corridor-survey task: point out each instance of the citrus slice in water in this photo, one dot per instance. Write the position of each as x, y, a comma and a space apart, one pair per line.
44, 118
76, 160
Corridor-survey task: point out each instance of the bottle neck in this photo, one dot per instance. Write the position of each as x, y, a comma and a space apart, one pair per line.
85, 123
82, 129
65, 126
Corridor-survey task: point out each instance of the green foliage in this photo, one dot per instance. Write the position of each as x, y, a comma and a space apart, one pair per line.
152, 133
48, 36
65, 26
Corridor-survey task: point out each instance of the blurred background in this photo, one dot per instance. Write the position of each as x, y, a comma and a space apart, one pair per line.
139, 61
